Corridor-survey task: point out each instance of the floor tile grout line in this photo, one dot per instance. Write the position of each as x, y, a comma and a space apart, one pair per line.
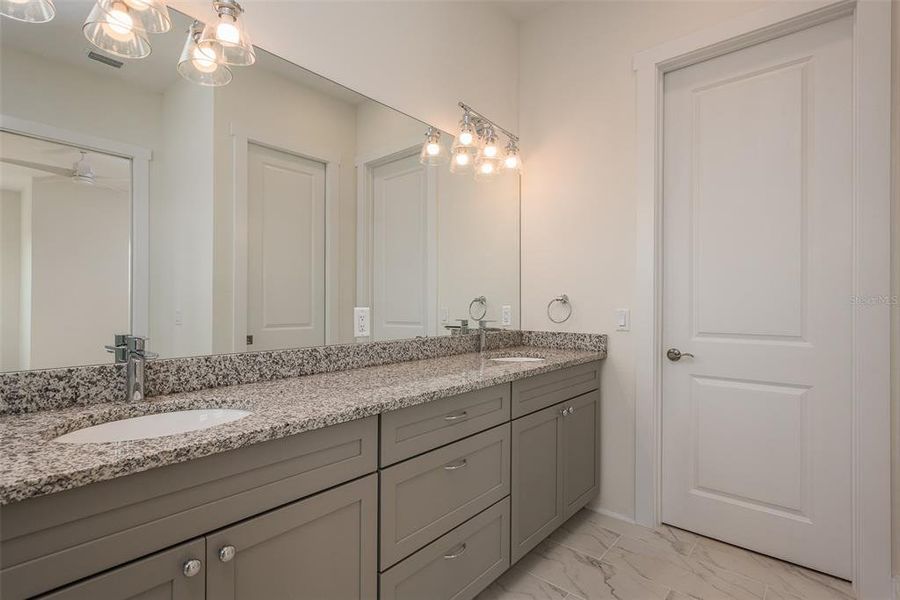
550, 583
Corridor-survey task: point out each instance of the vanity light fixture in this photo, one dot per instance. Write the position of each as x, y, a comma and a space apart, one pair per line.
432, 153
477, 145
226, 37
110, 26
29, 11
199, 65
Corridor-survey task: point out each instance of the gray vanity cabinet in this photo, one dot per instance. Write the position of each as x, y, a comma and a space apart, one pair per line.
581, 451
555, 468
323, 547
174, 574
537, 504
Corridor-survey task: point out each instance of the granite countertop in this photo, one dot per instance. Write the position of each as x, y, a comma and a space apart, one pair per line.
33, 464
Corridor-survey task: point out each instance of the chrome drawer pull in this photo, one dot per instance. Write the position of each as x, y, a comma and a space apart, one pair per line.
191, 567
456, 552
456, 465
457, 417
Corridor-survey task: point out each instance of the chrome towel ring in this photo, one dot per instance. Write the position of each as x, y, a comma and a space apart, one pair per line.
564, 300
482, 301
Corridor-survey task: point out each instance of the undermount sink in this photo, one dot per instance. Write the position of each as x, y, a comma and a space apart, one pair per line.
517, 359
153, 426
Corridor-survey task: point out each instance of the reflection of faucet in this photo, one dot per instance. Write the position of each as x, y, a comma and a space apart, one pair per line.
130, 350
461, 329
483, 329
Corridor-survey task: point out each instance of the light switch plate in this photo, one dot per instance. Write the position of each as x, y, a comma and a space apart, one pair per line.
506, 315
623, 319
361, 326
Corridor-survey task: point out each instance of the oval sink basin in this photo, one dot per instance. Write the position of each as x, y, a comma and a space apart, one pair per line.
153, 426
515, 359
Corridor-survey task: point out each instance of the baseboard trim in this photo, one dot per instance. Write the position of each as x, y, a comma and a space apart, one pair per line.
619, 516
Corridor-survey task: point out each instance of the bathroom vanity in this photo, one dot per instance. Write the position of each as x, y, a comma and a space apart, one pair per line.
421, 490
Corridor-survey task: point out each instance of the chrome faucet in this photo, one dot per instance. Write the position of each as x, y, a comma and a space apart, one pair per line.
483, 329
131, 351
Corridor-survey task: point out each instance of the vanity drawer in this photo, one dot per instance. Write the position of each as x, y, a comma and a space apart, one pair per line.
411, 431
425, 497
457, 566
534, 393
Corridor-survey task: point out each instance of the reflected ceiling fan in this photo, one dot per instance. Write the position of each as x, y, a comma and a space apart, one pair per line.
81, 172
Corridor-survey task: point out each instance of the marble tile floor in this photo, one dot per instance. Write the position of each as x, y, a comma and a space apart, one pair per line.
594, 557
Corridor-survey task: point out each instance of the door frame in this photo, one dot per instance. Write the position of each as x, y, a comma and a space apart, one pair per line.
139, 249
870, 339
241, 139
365, 235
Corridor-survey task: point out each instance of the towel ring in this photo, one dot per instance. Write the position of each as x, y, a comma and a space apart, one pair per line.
483, 302
564, 300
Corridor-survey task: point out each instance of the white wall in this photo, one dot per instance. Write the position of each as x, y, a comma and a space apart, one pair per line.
419, 57
577, 122
79, 278
10, 277
181, 225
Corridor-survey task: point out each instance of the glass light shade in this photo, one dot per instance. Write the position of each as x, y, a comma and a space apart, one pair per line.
512, 161
29, 11
487, 168
432, 153
199, 65
146, 16
467, 137
490, 147
226, 38
462, 160
114, 32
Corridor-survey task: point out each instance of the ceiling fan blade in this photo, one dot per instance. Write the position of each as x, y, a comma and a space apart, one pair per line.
38, 166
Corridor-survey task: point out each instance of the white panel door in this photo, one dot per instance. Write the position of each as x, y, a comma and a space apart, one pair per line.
285, 250
400, 250
757, 283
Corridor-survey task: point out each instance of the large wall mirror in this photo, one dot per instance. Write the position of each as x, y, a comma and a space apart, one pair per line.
252, 216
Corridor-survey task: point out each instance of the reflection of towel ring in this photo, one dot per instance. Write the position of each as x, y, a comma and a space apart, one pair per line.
564, 300
483, 302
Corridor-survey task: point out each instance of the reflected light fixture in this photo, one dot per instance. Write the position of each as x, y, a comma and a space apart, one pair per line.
512, 161
432, 154
199, 65
29, 11
226, 37
111, 26
477, 147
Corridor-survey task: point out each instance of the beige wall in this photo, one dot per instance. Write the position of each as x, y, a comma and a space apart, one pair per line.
10, 278
577, 115
895, 283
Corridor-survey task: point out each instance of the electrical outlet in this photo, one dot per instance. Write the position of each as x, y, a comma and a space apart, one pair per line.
361, 321
623, 319
445, 314
179, 317
506, 315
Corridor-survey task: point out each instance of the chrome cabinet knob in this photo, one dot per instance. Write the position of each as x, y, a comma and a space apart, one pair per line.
674, 354
571, 410
192, 567
226, 553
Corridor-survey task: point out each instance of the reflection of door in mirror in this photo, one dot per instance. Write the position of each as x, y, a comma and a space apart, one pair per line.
285, 250
402, 293
65, 224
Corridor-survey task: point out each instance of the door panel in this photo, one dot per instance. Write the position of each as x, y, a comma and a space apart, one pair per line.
160, 576
537, 478
323, 547
286, 250
757, 284
400, 250
581, 451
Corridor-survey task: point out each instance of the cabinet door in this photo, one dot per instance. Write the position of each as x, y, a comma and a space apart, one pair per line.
537, 478
162, 576
581, 451
323, 547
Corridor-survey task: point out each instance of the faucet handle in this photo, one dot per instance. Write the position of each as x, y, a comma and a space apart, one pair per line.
482, 323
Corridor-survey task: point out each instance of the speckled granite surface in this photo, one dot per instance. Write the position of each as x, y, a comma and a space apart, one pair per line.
34, 465
30, 391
